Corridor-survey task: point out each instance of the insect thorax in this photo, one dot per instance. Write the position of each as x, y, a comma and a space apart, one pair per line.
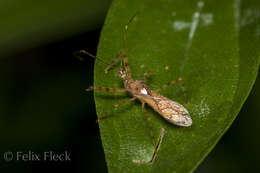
136, 87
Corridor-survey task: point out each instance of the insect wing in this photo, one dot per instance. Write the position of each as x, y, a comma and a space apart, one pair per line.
173, 112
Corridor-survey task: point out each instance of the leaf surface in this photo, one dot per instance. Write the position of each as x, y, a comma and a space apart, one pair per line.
204, 42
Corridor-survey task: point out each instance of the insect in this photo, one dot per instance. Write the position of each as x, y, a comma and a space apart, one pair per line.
172, 111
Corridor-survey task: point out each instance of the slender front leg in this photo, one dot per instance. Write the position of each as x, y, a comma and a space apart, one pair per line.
122, 52
125, 60
114, 60
111, 90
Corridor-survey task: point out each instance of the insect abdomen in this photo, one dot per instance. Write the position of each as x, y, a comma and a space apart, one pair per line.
172, 111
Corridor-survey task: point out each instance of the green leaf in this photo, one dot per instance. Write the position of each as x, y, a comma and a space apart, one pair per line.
27, 24
204, 42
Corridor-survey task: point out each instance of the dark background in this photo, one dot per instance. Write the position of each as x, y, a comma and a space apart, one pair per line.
43, 107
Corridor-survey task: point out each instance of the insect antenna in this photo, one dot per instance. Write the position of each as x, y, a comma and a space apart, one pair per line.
77, 55
109, 66
126, 29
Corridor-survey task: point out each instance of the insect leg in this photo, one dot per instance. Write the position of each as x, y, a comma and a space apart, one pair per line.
147, 74
172, 83
122, 52
114, 60
125, 101
169, 84
116, 105
111, 90
156, 149
148, 118
145, 112
125, 60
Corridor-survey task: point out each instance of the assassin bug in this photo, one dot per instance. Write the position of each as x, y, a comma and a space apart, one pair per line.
172, 111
